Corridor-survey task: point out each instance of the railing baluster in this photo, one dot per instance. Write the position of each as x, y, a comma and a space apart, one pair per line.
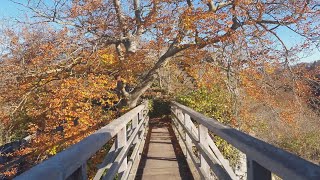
180, 128
187, 123
107, 162
121, 142
71, 163
174, 110
80, 173
203, 136
256, 172
135, 121
138, 144
263, 157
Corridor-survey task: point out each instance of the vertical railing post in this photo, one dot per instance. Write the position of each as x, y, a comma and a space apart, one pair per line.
135, 121
146, 124
203, 136
257, 172
80, 173
187, 123
181, 119
174, 119
121, 142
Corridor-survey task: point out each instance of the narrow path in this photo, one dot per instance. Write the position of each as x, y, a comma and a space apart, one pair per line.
162, 158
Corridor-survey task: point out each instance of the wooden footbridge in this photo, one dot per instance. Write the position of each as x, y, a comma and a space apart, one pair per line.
180, 148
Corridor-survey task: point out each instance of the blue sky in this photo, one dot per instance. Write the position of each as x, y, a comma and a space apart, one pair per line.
290, 38
10, 10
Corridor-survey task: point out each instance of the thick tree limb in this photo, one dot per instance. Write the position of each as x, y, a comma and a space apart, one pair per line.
120, 16
214, 8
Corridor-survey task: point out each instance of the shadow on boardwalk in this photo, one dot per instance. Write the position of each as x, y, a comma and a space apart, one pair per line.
162, 156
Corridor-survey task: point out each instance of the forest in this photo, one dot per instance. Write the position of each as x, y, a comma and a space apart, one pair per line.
61, 64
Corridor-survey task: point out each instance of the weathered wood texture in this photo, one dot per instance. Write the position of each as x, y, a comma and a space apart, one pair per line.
162, 159
71, 163
207, 157
263, 158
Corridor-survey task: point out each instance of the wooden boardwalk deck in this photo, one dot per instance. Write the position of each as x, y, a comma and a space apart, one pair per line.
162, 158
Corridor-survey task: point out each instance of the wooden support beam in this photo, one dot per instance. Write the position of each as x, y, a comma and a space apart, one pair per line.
121, 142
207, 154
265, 158
187, 123
80, 173
203, 136
256, 171
65, 163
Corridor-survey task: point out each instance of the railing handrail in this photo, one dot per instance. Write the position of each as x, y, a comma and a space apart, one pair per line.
284, 164
208, 151
65, 163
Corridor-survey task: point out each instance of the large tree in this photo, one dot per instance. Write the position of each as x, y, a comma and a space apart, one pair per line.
65, 57
133, 27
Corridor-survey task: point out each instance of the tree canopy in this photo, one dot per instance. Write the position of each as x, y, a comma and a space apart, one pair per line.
62, 61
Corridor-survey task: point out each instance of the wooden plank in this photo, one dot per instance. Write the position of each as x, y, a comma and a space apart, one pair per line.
68, 161
195, 161
284, 164
187, 122
135, 121
135, 157
161, 160
180, 126
121, 143
136, 161
214, 165
203, 136
194, 129
123, 154
221, 159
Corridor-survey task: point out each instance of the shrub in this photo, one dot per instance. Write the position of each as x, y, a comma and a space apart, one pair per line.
305, 145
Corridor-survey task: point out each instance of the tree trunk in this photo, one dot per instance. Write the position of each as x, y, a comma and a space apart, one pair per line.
134, 97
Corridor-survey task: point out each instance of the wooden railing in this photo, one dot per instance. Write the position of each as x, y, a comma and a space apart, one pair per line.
262, 158
129, 132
